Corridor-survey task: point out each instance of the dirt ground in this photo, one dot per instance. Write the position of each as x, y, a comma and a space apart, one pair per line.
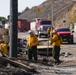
67, 66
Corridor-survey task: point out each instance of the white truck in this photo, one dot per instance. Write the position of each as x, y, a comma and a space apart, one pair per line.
34, 28
40, 26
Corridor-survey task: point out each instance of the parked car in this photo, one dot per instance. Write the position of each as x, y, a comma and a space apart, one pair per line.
66, 34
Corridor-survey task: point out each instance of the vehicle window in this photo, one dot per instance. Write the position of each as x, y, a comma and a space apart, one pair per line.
64, 29
45, 22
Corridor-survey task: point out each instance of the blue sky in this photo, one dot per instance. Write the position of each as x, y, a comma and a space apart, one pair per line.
22, 4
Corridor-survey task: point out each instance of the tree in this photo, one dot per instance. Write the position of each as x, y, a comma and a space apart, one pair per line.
3, 19
71, 15
26, 9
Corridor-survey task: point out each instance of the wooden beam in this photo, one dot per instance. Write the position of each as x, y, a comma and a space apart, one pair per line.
17, 64
44, 47
42, 39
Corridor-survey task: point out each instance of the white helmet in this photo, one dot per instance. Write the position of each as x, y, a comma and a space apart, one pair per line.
30, 31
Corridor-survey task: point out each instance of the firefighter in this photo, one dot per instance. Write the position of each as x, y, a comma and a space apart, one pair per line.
3, 52
3, 48
48, 31
32, 43
56, 42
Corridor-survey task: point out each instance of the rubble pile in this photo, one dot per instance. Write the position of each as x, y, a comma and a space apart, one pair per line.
13, 71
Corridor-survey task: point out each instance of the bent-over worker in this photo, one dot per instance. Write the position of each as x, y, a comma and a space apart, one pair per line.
3, 47
32, 43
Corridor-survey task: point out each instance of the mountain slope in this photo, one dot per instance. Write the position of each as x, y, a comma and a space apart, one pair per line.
59, 7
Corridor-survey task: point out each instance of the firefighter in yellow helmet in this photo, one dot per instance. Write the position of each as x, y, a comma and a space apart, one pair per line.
32, 43
3, 47
56, 42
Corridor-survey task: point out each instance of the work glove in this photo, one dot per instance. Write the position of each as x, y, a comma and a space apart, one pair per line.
29, 47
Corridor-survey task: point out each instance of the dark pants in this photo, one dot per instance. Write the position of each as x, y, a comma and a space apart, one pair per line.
32, 52
56, 53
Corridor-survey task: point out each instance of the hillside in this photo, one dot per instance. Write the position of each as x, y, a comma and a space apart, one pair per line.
59, 7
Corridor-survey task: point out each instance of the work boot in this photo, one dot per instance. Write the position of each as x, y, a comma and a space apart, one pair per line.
56, 63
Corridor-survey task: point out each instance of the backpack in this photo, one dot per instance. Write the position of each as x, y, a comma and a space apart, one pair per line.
59, 38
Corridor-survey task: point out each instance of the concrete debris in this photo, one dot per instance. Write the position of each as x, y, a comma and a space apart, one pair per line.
13, 71
66, 54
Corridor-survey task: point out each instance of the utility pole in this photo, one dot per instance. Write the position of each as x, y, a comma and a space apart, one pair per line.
52, 15
64, 19
13, 27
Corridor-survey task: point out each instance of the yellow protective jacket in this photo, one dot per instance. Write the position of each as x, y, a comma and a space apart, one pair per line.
32, 41
56, 40
4, 48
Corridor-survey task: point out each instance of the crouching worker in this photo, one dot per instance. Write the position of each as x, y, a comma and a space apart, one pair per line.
3, 48
3, 52
32, 43
56, 42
